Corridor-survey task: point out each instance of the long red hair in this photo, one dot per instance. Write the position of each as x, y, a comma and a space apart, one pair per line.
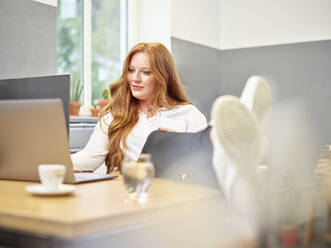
169, 92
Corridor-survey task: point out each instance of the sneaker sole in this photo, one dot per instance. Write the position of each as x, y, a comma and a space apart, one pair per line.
256, 96
238, 130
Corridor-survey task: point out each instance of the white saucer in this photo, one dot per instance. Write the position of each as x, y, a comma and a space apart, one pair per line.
39, 189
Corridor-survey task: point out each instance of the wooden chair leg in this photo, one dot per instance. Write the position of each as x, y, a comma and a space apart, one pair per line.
310, 225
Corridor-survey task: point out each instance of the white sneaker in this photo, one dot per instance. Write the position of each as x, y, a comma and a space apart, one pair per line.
237, 152
256, 96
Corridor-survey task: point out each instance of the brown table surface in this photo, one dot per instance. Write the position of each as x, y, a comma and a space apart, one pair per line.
98, 206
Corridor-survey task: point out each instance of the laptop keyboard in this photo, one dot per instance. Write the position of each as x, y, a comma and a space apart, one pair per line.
91, 176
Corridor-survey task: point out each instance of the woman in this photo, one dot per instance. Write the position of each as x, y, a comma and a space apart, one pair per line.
147, 97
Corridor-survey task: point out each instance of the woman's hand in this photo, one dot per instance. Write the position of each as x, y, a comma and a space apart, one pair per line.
162, 129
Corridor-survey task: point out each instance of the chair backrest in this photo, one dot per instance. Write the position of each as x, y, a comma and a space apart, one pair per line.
184, 157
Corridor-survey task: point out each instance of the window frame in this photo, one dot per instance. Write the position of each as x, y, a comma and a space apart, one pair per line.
87, 45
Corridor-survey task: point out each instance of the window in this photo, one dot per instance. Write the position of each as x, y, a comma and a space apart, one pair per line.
92, 43
69, 39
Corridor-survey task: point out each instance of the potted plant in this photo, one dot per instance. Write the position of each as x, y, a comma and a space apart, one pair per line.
289, 228
105, 99
76, 90
290, 213
94, 110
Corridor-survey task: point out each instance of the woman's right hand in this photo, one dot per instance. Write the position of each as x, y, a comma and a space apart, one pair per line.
162, 129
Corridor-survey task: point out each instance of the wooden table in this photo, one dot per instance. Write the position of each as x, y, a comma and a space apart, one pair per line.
99, 214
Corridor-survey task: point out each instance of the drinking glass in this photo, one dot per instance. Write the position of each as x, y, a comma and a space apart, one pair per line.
138, 176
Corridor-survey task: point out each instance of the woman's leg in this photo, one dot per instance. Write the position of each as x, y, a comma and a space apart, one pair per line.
238, 142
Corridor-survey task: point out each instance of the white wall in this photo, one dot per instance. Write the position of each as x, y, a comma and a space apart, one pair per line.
158, 20
48, 2
196, 21
267, 22
149, 21
230, 24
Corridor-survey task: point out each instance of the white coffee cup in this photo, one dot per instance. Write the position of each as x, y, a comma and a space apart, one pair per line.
51, 175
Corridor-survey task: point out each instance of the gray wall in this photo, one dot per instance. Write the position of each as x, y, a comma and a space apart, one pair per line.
198, 69
301, 70
27, 39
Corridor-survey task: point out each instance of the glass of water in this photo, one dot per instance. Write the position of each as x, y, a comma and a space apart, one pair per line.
138, 176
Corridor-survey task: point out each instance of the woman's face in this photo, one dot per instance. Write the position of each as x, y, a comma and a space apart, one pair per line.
140, 78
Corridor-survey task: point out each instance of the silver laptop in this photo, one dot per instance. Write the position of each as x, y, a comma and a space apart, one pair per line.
33, 132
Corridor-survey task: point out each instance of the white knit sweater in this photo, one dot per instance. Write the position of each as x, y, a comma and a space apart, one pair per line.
182, 118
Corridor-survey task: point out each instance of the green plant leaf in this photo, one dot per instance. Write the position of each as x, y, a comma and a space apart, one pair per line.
94, 104
105, 94
76, 90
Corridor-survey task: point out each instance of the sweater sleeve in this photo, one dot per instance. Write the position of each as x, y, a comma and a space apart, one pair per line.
93, 154
196, 120
183, 118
